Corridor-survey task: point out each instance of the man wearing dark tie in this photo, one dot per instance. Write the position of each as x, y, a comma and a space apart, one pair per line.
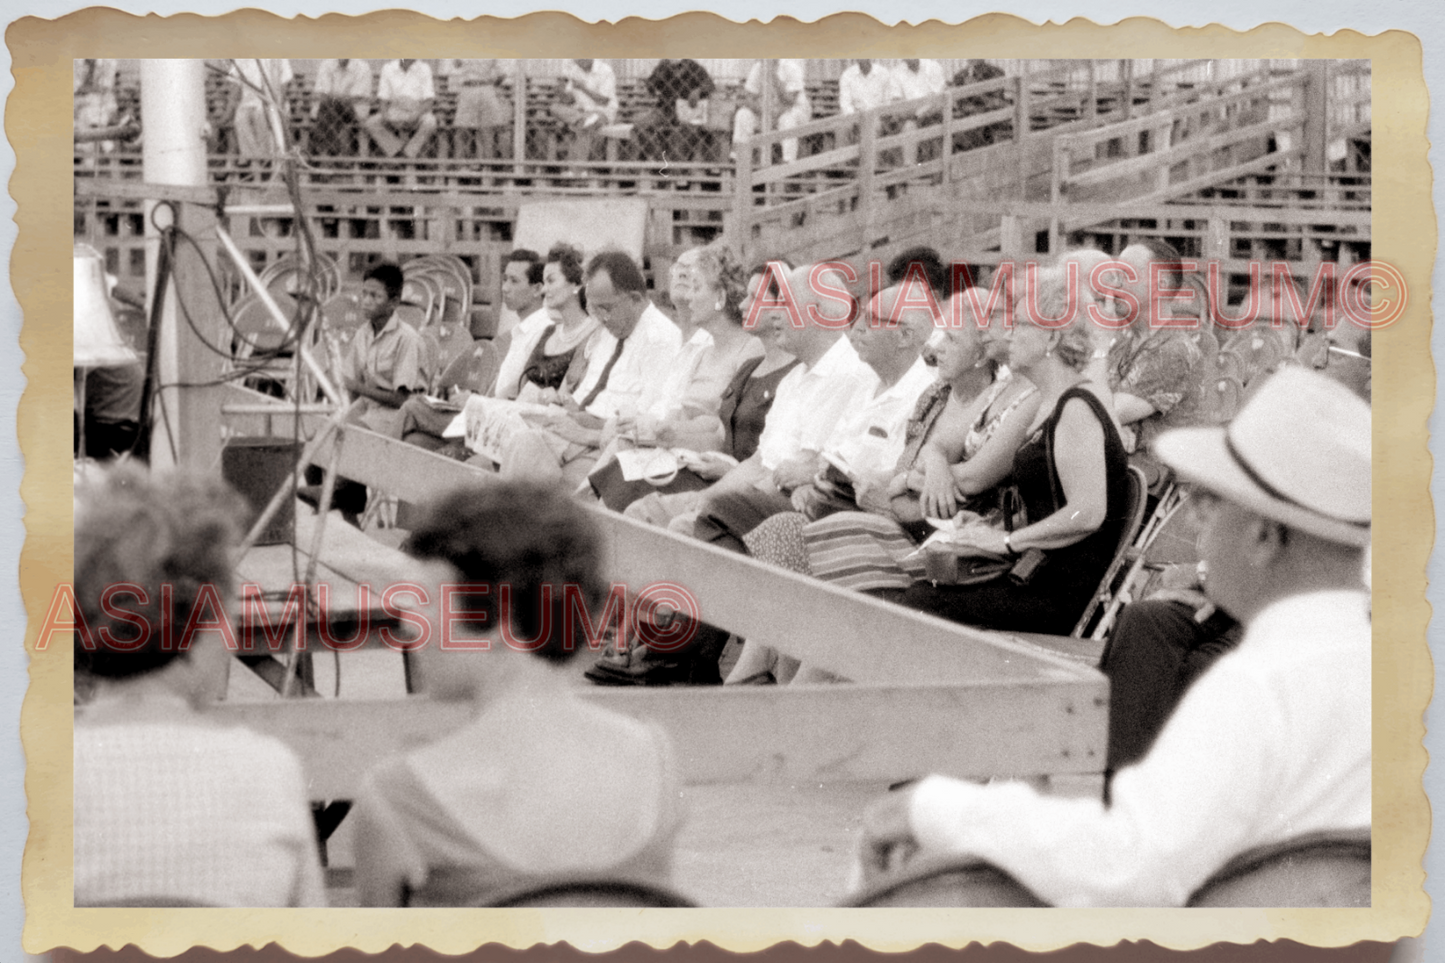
637, 345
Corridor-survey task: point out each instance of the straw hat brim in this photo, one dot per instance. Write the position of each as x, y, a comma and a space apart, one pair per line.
1201, 455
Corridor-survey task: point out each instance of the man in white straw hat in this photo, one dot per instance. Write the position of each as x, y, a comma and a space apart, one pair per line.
1273, 743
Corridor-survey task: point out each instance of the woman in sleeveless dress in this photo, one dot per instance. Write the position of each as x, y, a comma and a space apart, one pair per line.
1071, 475
959, 444
559, 359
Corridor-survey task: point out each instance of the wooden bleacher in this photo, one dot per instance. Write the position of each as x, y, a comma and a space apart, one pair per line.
776, 778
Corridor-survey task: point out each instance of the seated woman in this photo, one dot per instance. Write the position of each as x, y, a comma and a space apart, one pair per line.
172, 809
539, 784
732, 434
961, 442
1071, 476
1157, 369
559, 360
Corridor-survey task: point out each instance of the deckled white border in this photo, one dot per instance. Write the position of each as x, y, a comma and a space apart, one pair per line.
1421, 17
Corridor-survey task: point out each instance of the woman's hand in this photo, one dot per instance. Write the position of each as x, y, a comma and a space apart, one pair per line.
873, 492
711, 465
983, 538
939, 497
898, 486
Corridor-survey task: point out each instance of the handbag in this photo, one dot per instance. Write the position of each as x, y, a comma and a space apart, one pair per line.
960, 565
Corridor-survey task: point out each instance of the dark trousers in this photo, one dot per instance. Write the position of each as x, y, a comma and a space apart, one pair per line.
1156, 652
725, 517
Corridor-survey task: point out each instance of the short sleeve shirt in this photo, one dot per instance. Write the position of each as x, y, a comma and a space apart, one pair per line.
414, 83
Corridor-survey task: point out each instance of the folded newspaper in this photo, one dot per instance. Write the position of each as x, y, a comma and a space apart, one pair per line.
488, 425
661, 465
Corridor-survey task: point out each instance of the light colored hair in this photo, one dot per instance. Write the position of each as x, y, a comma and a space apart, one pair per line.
1051, 300
718, 268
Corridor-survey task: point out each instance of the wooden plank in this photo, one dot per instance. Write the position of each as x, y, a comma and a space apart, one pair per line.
406, 471
748, 734
848, 633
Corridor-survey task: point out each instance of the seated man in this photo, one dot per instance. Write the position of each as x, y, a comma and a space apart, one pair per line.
382, 367
676, 129
867, 436
790, 105
913, 79
635, 350
1272, 743
423, 422
588, 101
404, 122
343, 100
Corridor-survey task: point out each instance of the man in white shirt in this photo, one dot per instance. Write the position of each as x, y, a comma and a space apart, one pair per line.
342, 95
913, 79
259, 97
635, 349
404, 122
522, 298
863, 86
588, 101
889, 338
1272, 743
790, 102
830, 382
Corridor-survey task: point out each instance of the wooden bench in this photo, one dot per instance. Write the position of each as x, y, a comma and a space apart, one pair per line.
777, 777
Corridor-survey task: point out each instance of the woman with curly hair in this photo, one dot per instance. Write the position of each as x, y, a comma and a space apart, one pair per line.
539, 784
1070, 474
559, 360
172, 809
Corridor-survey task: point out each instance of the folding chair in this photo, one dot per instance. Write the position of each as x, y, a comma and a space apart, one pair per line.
968, 882
1134, 509
1319, 869
1131, 586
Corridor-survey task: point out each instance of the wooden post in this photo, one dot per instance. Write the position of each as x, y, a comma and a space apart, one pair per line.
519, 116
173, 96
1128, 68
867, 166
1093, 110
743, 197
1022, 120
1316, 116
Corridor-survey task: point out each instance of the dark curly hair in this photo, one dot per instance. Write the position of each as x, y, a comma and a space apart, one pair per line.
529, 537
569, 259
144, 531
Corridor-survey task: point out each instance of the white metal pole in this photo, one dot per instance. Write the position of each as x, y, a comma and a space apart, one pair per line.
173, 105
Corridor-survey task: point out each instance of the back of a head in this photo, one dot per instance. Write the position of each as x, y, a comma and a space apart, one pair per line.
621, 270
924, 262
529, 537
146, 531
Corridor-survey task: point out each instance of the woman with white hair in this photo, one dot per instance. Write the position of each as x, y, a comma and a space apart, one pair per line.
1071, 481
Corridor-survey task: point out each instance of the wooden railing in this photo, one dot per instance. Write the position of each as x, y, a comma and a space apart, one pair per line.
923, 691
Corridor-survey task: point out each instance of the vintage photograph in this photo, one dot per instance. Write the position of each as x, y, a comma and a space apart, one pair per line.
723, 483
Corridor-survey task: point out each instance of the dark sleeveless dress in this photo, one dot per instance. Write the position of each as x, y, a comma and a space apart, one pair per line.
1056, 596
548, 370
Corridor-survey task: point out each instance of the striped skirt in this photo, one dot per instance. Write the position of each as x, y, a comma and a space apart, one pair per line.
856, 550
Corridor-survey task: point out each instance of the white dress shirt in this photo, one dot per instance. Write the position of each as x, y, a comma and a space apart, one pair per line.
350, 84
646, 356
929, 79
524, 339
810, 402
871, 437
1271, 743
791, 77
601, 79
414, 83
254, 77
858, 91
